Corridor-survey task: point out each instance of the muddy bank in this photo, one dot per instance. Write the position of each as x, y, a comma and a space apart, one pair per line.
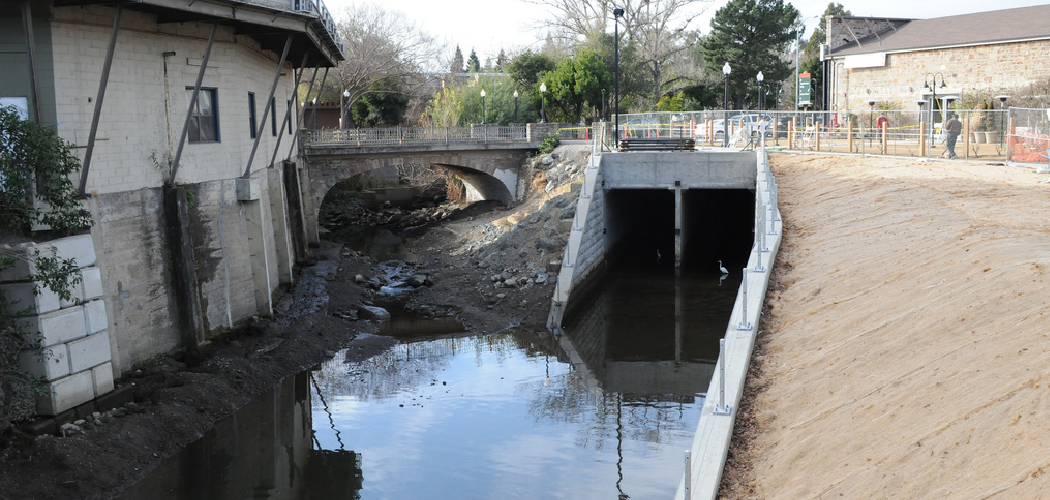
478, 262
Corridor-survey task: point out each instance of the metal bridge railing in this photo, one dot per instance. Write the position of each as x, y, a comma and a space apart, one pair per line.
414, 136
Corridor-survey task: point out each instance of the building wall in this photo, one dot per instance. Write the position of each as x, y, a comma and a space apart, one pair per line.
234, 249
146, 98
900, 81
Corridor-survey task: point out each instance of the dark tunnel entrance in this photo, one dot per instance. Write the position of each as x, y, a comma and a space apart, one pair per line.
717, 224
642, 308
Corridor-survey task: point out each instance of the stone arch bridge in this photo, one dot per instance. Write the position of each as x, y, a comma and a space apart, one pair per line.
487, 160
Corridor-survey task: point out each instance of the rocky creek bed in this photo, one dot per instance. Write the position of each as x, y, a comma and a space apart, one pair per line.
489, 266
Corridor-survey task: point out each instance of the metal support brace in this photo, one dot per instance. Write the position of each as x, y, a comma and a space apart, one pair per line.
102, 84
266, 108
288, 111
193, 104
27, 25
302, 112
722, 409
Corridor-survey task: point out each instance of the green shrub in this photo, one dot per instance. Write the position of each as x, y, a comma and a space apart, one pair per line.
549, 143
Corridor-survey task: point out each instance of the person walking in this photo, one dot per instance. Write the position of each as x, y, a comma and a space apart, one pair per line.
953, 127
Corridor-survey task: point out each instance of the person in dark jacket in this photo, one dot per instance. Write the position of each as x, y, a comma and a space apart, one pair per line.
953, 127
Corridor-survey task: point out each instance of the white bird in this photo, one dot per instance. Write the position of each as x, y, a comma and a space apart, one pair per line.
721, 268
657, 255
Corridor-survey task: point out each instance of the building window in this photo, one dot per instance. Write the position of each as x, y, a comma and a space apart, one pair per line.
289, 117
204, 117
251, 114
273, 115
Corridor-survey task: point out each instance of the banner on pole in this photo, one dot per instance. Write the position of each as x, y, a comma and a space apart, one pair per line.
803, 89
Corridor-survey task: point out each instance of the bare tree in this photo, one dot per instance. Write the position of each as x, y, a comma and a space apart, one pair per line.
662, 29
381, 47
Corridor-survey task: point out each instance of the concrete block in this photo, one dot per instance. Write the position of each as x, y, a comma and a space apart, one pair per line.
66, 393
92, 284
22, 297
78, 247
248, 189
20, 268
95, 318
102, 378
55, 366
89, 352
56, 327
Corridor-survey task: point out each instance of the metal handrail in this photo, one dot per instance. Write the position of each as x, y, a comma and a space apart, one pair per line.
414, 136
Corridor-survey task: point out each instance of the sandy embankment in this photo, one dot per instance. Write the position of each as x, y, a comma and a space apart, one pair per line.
907, 352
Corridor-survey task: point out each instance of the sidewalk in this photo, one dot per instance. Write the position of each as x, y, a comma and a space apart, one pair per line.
906, 354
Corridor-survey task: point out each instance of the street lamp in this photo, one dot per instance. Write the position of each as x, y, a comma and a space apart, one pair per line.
871, 118
1002, 116
482, 106
926, 84
759, 77
617, 13
515, 106
725, 122
603, 105
543, 106
343, 109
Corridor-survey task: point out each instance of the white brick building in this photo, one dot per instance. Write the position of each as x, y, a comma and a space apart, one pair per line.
177, 252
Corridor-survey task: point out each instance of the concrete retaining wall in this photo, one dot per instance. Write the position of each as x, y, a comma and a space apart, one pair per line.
714, 432
75, 356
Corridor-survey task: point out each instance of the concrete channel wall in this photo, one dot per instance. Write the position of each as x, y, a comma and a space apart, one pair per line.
705, 459
592, 234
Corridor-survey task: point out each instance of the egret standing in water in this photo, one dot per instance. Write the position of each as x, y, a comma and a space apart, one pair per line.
657, 255
721, 268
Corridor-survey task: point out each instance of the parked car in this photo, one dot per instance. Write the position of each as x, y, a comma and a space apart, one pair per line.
718, 128
646, 126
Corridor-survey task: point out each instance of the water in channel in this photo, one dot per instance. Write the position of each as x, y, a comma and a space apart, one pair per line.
604, 411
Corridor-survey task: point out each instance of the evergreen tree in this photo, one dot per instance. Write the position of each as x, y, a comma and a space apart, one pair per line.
501, 61
473, 63
457, 62
750, 35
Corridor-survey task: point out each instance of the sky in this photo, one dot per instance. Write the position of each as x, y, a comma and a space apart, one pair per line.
488, 25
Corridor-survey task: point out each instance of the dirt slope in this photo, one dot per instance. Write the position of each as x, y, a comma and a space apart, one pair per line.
905, 350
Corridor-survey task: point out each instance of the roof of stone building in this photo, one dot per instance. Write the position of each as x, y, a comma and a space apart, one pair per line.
999, 26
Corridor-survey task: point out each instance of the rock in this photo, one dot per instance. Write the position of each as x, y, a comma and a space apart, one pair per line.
418, 280
496, 278
134, 407
511, 283
506, 275
541, 279
373, 313
360, 279
553, 266
69, 429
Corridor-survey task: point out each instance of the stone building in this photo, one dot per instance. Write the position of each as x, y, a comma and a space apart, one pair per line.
195, 206
892, 60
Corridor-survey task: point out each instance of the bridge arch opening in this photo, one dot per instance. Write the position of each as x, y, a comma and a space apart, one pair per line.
481, 185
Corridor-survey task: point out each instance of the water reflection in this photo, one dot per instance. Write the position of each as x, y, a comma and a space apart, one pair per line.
500, 416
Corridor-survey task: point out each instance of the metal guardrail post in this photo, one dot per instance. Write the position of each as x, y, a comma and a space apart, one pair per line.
722, 409
744, 324
688, 475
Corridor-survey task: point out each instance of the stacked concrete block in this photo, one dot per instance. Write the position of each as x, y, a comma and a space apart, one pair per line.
75, 357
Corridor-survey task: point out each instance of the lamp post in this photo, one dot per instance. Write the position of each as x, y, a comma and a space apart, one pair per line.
759, 78
603, 105
926, 84
617, 13
482, 106
921, 103
1002, 117
515, 106
871, 118
725, 122
543, 105
344, 103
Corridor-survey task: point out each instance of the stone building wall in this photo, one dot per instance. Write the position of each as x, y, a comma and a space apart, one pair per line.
900, 81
